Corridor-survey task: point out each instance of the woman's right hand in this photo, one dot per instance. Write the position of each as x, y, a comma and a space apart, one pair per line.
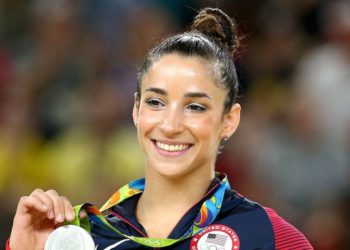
36, 217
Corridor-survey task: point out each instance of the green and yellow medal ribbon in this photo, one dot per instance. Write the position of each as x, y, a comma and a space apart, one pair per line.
207, 213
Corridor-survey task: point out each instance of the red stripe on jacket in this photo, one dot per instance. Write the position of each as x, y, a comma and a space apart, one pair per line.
286, 235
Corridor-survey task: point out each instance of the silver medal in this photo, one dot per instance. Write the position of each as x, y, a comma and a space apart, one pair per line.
69, 237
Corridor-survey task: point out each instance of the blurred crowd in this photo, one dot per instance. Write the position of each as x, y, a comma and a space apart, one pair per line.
68, 74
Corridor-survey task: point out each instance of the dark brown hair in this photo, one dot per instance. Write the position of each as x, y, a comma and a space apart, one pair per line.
212, 36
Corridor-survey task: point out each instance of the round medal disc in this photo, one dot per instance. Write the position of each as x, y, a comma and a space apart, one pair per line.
69, 237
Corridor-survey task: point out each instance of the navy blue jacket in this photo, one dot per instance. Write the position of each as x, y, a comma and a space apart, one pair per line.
241, 224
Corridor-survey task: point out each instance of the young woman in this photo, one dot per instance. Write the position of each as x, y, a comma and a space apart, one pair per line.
184, 108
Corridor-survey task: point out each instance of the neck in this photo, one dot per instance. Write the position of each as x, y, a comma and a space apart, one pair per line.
183, 190
164, 196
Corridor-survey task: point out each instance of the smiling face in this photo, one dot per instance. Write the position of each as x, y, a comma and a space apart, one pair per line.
179, 116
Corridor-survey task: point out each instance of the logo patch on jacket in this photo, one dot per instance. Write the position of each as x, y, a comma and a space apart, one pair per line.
216, 237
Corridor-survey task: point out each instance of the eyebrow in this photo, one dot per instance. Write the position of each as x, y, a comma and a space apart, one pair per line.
188, 94
197, 95
157, 90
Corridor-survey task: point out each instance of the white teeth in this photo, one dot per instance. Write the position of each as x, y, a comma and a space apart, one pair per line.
172, 148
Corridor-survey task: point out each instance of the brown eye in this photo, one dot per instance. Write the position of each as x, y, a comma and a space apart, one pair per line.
196, 107
154, 102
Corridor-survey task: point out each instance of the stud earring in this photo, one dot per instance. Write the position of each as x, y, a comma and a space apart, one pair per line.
225, 138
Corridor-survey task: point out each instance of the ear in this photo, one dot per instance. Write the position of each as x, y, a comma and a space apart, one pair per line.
231, 121
135, 111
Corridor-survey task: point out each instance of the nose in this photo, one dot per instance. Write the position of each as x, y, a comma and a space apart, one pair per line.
173, 122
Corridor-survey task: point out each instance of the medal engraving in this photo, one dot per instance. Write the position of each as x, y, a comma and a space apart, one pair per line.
69, 237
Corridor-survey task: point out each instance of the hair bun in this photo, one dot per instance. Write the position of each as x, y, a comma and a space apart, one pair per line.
216, 24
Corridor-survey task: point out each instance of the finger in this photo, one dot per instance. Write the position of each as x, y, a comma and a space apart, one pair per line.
82, 214
47, 200
68, 209
29, 208
58, 205
29, 202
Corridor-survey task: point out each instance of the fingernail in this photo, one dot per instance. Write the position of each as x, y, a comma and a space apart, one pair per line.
70, 216
60, 218
82, 214
44, 206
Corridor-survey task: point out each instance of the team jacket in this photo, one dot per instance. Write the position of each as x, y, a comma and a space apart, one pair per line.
240, 224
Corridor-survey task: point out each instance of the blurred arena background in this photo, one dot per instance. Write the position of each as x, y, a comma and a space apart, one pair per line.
67, 77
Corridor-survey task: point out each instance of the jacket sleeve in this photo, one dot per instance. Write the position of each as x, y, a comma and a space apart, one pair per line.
286, 235
7, 247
